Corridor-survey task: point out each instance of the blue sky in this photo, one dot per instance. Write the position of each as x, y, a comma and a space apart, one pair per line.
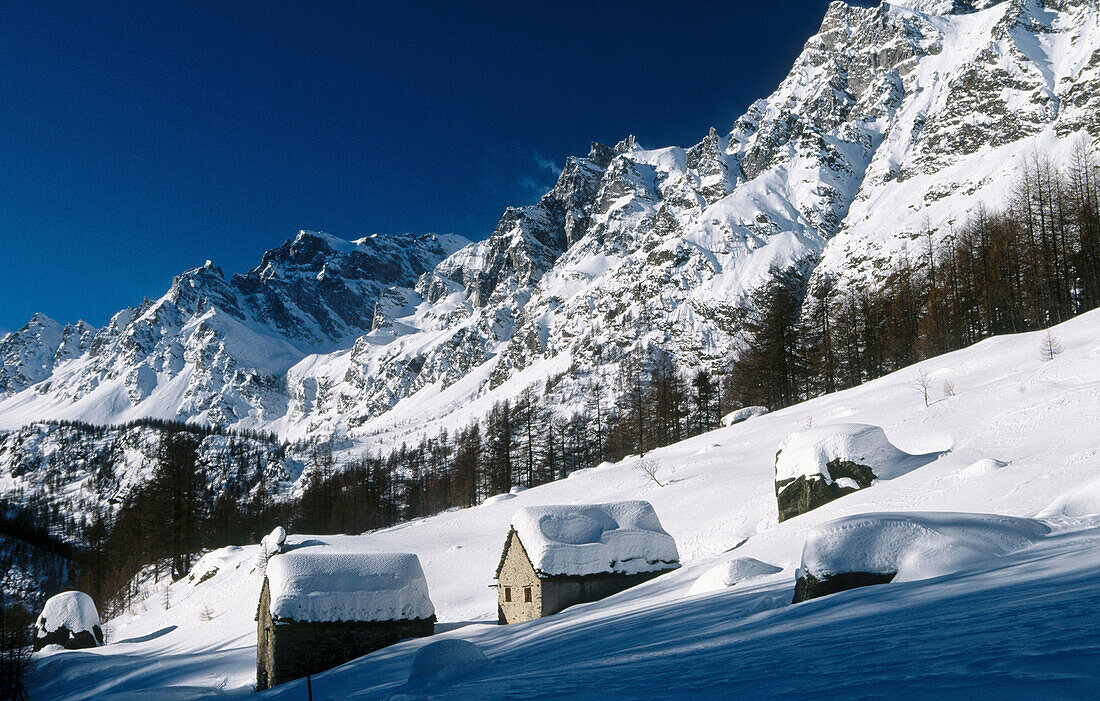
140, 139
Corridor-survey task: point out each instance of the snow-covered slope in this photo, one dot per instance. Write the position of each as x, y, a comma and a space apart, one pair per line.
1017, 438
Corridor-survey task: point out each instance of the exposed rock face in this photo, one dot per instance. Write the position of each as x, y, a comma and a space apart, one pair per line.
30, 354
808, 586
806, 493
71, 640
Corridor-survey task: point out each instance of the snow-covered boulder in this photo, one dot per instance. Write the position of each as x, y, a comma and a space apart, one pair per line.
70, 620
623, 537
727, 574
875, 548
444, 662
739, 415
815, 466
348, 586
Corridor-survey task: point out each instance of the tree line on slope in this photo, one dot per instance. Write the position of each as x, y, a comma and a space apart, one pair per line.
1031, 265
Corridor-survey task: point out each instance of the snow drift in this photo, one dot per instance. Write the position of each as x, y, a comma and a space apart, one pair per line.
727, 574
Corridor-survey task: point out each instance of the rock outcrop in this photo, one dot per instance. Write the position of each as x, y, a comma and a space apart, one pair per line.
70, 620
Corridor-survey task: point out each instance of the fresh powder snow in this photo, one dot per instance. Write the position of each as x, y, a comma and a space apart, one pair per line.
623, 537
347, 586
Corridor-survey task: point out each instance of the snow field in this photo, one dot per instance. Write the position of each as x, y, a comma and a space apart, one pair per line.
1021, 623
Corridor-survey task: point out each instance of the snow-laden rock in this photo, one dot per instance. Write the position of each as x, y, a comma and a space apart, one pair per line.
882, 547
68, 619
444, 661
817, 465
727, 574
622, 537
736, 417
347, 586
809, 452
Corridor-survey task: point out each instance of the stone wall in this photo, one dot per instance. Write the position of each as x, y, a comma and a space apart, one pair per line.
288, 650
559, 593
515, 576
550, 595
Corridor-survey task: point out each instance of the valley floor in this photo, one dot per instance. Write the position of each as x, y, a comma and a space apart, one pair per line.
1023, 625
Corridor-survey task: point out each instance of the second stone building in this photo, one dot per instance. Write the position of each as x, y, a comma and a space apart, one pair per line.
558, 556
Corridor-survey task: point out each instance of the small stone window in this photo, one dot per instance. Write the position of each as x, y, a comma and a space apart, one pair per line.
527, 594
507, 593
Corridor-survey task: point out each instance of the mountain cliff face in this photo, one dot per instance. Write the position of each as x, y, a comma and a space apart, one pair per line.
893, 119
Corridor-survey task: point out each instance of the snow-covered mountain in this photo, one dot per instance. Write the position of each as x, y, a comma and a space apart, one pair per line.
1012, 617
893, 119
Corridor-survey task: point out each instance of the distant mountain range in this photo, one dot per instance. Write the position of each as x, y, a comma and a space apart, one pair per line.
893, 120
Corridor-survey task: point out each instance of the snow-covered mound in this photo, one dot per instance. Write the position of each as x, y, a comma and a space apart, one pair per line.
344, 586
727, 574
445, 661
70, 620
905, 547
808, 453
1079, 503
736, 417
623, 537
985, 466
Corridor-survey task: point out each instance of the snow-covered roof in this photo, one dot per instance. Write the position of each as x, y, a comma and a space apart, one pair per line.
915, 545
623, 537
347, 586
808, 453
73, 610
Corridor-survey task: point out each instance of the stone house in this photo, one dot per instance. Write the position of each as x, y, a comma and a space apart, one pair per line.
557, 556
320, 610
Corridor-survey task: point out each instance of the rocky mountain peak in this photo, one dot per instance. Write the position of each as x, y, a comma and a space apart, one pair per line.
892, 116
944, 7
